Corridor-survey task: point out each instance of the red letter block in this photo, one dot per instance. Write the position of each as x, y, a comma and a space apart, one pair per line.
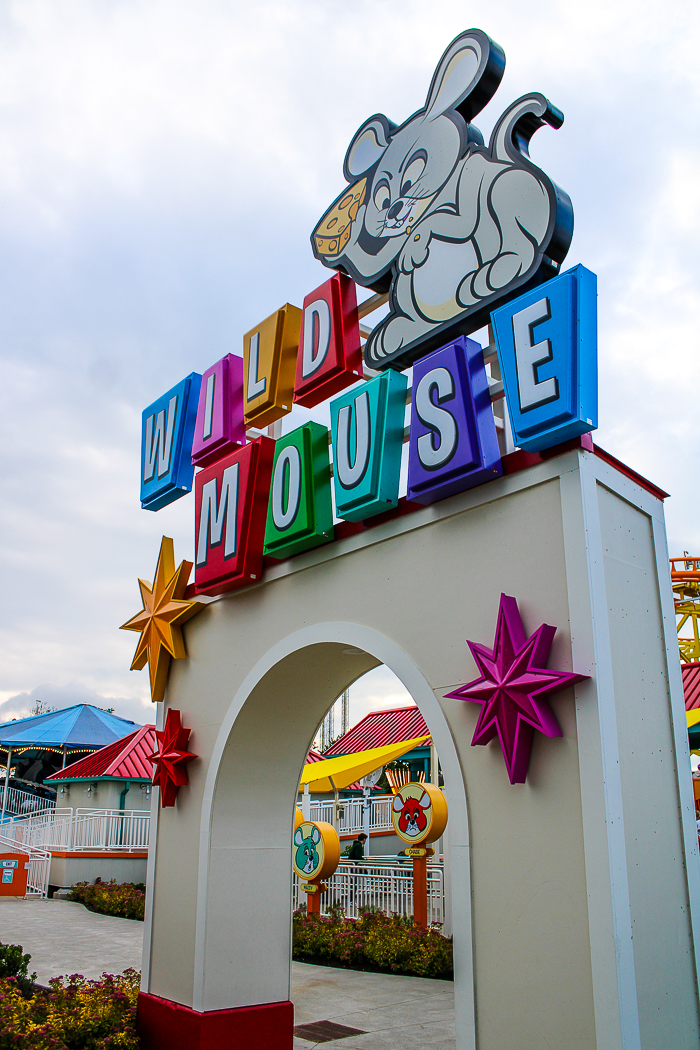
230, 514
330, 357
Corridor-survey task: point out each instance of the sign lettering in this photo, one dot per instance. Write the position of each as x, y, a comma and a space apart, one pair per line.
367, 437
453, 443
269, 355
330, 357
219, 429
231, 499
300, 513
547, 350
167, 432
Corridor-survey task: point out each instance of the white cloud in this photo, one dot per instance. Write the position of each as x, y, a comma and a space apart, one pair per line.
161, 167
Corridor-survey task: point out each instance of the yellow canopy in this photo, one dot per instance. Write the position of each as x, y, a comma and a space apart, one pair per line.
692, 717
337, 773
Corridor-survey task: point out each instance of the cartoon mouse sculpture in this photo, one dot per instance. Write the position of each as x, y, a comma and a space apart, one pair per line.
450, 227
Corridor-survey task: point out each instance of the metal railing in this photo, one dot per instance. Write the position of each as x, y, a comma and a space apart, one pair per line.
351, 813
39, 861
357, 886
112, 829
82, 830
20, 803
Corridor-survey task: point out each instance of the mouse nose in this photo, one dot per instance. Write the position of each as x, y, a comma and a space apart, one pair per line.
394, 210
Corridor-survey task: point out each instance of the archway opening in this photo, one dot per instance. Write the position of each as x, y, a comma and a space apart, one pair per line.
245, 869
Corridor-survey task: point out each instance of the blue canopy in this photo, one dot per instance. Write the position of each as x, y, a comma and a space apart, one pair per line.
82, 726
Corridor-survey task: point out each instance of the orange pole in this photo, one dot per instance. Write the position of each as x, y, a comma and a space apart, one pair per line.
313, 903
420, 891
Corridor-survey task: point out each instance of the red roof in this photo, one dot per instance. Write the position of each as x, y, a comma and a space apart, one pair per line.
125, 759
691, 685
379, 728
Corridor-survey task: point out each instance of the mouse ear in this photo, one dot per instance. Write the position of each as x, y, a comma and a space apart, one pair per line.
298, 837
367, 146
467, 76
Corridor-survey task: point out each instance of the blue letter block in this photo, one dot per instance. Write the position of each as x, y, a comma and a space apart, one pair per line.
547, 348
367, 433
167, 430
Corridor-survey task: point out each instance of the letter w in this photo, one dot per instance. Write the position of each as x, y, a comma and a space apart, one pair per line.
159, 444
212, 515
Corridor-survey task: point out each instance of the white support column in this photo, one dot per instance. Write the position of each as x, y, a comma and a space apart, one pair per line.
609, 913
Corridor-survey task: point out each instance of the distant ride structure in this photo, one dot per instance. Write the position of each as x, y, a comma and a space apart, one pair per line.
685, 581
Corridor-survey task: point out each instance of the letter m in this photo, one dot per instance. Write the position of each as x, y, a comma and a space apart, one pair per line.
158, 443
218, 519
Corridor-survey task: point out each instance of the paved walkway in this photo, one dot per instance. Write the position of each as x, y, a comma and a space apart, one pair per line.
392, 1013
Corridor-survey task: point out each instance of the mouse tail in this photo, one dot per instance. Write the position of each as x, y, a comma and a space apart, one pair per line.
510, 138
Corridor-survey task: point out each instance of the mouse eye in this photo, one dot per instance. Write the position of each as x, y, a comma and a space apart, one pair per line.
413, 172
382, 198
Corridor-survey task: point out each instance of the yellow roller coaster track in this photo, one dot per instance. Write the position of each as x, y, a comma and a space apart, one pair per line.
685, 581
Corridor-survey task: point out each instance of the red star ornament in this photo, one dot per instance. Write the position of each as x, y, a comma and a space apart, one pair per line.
171, 758
513, 688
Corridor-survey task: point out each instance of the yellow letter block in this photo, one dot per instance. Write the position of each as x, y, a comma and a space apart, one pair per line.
269, 366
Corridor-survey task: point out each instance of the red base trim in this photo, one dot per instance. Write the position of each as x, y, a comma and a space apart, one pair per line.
164, 1025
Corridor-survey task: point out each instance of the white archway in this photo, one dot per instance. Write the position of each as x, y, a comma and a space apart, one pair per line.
244, 843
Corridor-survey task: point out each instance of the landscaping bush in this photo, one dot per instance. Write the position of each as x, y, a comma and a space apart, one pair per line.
125, 899
73, 1014
375, 941
13, 963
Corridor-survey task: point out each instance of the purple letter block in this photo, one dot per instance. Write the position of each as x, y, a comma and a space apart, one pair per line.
219, 429
453, 443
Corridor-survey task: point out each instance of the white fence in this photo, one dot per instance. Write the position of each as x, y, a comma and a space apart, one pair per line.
22, 803
39, 861
351, 814
83, 830
389, 886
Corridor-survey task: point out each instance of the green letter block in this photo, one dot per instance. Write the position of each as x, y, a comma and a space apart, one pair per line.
300, 514
367, 428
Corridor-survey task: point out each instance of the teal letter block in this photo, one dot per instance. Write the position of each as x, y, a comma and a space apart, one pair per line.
300, 513
367, 429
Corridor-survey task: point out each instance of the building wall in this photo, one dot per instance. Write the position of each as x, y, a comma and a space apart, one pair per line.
104, 794
549, 879
67, 871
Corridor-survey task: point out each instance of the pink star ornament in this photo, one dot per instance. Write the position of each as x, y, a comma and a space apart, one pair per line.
513, 688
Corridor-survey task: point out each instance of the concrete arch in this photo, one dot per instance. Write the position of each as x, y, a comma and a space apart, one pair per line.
251, 847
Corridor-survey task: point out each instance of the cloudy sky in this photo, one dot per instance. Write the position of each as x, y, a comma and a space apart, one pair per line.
162, 164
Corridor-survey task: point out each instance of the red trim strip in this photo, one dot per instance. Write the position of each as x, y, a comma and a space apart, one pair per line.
165, 1025
639, 479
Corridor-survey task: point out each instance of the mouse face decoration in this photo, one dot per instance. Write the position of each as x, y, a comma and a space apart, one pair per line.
451, 228
412, 820
308, 858
316, 849
419, 813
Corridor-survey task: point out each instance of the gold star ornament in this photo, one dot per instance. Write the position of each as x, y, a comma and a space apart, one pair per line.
160, 621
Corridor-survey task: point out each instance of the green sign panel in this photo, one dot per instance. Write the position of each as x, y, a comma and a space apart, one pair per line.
300, 513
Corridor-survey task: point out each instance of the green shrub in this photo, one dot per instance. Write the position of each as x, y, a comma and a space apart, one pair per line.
375, 941
13, 963
125, 899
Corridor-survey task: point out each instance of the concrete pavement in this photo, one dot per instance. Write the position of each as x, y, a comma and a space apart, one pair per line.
392, 1013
